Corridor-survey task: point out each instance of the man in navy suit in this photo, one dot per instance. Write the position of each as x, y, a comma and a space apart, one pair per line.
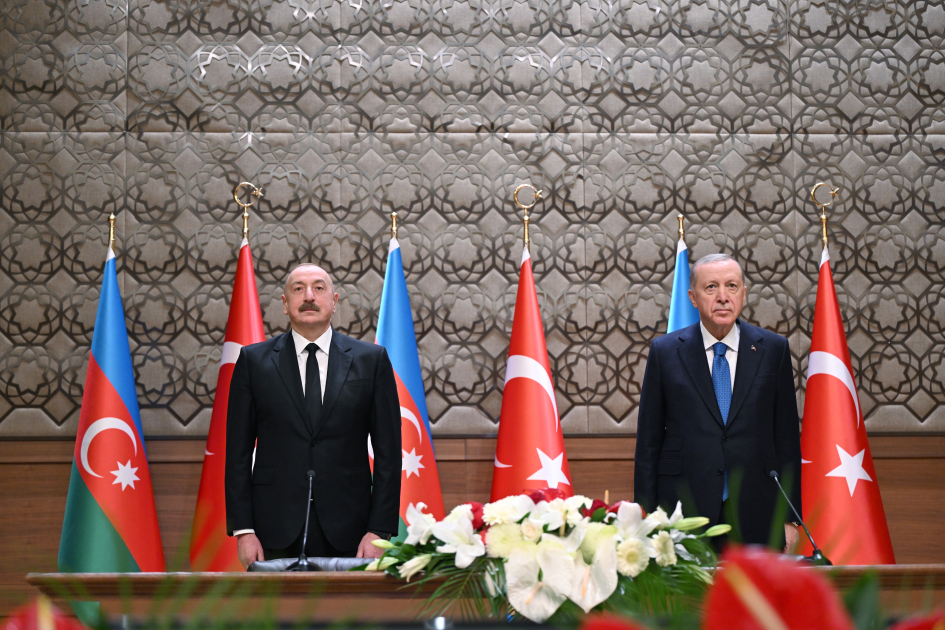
307, 400
718, 413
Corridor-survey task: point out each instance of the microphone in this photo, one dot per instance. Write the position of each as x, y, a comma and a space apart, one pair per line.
817, 558
302, 564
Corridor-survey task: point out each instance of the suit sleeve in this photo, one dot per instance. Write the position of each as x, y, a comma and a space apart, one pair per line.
240, 442
650, 430
385, 438
787, 437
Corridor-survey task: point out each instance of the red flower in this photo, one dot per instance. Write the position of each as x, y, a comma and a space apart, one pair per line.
936, 621
596, 505
477, 514
546, 494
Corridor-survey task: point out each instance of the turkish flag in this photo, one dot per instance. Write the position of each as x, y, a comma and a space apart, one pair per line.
840, 493
530, 450
210, 548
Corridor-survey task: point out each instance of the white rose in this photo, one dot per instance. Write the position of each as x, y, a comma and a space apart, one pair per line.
531, 531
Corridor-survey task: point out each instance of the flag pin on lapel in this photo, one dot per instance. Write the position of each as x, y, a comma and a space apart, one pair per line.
753, 348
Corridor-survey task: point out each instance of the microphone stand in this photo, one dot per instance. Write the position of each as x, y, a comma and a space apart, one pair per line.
817, 558
302, 564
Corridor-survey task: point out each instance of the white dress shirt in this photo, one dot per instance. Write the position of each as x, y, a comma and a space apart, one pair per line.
301, 348
731, 354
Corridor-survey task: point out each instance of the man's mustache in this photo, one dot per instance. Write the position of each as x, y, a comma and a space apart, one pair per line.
308, 306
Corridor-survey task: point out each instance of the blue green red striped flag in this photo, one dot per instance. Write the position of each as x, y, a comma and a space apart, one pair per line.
110, 523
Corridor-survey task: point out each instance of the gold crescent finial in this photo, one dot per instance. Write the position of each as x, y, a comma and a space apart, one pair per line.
256, 192
393, 225
823, 206
111, 230
682, 232
537, 195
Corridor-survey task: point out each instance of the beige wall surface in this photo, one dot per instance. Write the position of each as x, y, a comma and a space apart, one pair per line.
625, 112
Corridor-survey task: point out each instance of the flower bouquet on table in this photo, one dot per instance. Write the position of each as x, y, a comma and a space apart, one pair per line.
542, 556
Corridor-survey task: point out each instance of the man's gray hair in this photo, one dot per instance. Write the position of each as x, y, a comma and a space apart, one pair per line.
709, 259
285, 285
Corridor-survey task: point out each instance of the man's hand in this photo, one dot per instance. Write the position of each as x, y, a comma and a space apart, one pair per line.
366, 549
249, 549
791, 537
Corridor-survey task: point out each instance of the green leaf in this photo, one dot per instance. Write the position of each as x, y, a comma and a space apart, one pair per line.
862, 602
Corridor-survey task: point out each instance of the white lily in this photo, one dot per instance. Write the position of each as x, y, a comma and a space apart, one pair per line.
460, 539
534, 598
414, 565
551, 515
630, 522
508, 510
574, 505
681, 551
419, 524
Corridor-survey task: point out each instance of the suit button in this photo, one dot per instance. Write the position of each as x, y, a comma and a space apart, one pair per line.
724, 438
719, 472
313, 442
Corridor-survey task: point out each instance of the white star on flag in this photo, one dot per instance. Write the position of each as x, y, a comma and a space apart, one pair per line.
850, 468
411, 462
125, 475
550, 471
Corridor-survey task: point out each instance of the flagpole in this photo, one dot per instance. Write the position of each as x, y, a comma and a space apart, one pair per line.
256, 192
393, 226
823, 206
682, 232
111, 230
537, 195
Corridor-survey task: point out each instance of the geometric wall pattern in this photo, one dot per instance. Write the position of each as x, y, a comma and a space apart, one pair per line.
625, 112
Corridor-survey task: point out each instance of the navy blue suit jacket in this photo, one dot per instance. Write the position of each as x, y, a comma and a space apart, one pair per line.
683, 446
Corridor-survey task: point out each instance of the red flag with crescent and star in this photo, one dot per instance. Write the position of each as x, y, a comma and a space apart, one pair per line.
840, 493
210, 548
530, 451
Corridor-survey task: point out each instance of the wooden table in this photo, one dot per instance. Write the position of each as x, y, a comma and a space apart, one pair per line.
330, 596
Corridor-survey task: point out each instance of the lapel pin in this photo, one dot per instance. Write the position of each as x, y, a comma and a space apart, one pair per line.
753, 348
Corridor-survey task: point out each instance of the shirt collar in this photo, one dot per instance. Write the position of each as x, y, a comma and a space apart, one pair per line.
730, 340
301, 343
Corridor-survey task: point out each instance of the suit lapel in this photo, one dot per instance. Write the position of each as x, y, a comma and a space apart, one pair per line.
286, 361
339, 361
692, 353
750, 352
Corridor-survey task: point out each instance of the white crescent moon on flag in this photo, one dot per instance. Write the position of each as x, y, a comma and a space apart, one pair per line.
370, 448
406, 414
520, 366
831, 365
499, 464
97, 427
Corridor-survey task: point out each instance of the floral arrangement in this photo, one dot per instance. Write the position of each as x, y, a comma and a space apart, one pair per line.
539, 555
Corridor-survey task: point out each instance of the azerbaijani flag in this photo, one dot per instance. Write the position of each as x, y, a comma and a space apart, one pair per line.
681, 311
420, 482
110, 523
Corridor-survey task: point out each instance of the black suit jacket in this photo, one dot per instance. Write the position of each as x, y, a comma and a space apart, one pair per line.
267, 410
682, 444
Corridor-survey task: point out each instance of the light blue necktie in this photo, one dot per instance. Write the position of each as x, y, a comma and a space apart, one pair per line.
722, 382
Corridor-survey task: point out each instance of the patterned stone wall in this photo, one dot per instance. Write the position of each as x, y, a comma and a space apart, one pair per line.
625, 112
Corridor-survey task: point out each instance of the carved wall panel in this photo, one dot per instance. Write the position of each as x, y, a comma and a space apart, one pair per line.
626, 113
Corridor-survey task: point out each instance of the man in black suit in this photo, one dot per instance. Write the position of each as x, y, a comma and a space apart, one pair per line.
308, 400
718, 412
